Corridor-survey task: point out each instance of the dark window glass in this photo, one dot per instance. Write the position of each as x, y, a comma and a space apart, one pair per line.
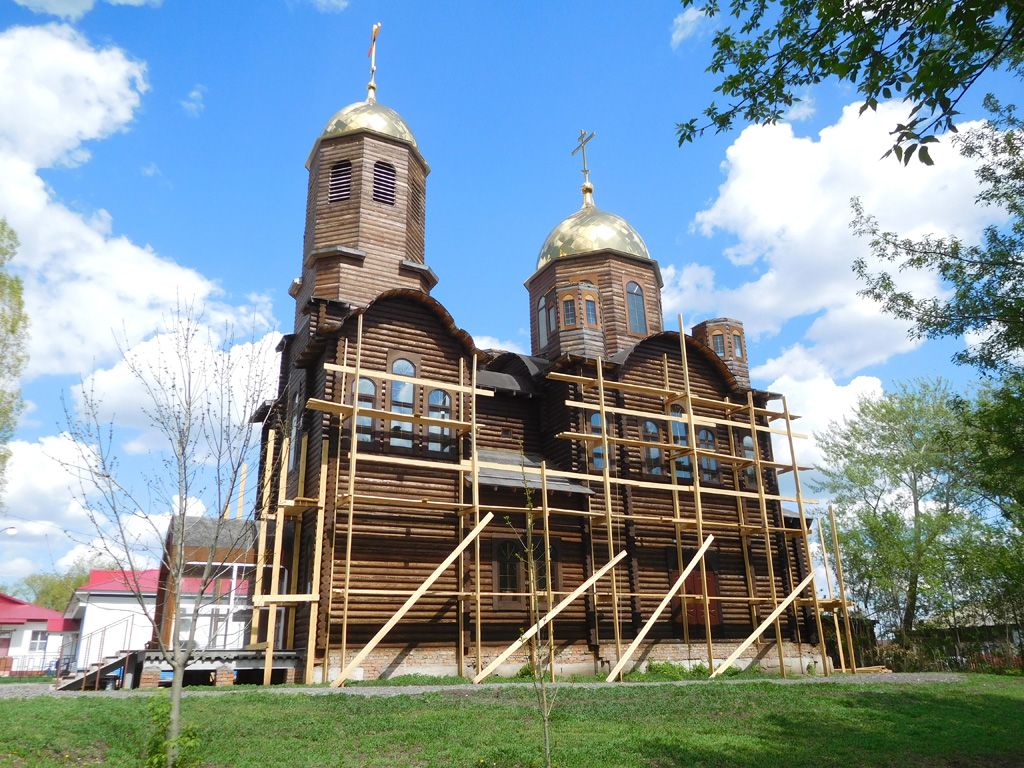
367, 397
439, 405
737, 346
569, 312
508, 566
402, 402
552, 317
635, 305
750, 473
652, 456
718, 343
384, 182
680, 436
339, 187
542, 320
597, 451
591, 306
708, 465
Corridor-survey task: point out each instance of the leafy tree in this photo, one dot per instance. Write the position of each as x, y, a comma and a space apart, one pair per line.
13, 332
987, 279
54, 590
929, 52
898, 496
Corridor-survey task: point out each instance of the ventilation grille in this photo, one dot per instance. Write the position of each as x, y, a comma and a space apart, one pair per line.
340, 185
384, 183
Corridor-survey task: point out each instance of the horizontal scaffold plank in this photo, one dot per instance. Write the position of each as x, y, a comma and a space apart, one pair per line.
343, 409
432, 383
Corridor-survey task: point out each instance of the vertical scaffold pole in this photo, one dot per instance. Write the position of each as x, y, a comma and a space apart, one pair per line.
842, 590
353, 457
763, 505
606, 476
828, 582
475, 498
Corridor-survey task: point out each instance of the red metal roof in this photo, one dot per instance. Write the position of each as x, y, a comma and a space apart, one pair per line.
15, 611
121, 581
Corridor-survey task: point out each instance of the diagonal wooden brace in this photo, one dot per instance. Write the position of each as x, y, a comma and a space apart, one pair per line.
661, 607
763, 625
547, 618
420, 591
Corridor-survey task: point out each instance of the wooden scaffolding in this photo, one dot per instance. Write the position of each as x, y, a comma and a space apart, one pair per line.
473, 516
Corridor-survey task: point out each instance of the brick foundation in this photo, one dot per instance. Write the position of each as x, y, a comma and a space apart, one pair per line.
224, 675
577, 659
150, 677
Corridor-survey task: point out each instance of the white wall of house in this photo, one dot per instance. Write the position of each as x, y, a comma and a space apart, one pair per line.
113, 623
33, 648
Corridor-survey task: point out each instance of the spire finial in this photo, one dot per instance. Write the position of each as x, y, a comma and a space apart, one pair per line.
371, 88
587, 189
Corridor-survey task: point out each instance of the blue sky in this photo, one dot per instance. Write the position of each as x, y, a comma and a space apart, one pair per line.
150, 151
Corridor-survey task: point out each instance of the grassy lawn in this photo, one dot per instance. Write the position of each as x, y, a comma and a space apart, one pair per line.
976, 722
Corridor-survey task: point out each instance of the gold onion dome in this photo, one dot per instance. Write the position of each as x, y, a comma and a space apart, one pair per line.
591, 229
369, 116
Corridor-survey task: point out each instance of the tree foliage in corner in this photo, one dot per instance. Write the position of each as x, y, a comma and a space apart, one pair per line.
13, 331
930, 52
987, 278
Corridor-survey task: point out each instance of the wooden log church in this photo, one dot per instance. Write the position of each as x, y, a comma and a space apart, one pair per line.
401, 465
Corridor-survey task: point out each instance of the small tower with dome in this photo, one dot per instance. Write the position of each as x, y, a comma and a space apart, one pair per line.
596, 289
365, 206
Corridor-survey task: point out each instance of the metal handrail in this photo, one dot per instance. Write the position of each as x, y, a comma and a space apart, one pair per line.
86, 641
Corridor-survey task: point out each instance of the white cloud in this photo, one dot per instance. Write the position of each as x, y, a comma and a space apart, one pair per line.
801, 110
493, 342
330, 6
193, 103
57, 91
75, 9
785, 201
150, 170
685, 24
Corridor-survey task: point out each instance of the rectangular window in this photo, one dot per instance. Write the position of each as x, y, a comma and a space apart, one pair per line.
569, 312
737, 346
591, 307
510, 572
37, 644
718, 343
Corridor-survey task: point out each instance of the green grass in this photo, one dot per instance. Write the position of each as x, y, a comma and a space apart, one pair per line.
970, 723
26, 679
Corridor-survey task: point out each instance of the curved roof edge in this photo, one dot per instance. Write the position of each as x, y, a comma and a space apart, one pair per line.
432, 304
623, 356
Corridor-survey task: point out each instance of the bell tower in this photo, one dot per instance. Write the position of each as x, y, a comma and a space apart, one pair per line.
365, 206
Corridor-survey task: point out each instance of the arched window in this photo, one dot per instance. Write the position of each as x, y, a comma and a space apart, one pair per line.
339, 187
384, 182
708, 465
366, 395
635, 305
402, 393
750, 473
718, 344
552, 316
590, 309
597, 448
737, 346
681, 436
652, 456
542, 321
293, 434
439, 406
568, 311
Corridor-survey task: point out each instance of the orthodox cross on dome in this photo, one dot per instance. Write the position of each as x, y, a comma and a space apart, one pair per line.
371, 88
587, 188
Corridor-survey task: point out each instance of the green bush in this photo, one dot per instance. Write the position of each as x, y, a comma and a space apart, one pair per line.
187, 742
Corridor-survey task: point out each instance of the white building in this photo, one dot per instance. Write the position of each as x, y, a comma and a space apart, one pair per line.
111, 616
34, 640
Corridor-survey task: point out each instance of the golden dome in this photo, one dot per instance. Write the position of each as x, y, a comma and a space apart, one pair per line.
369, 116
591, 229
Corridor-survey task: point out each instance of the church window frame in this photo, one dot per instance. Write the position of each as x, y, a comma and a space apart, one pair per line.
590, 314
510, 574
385, 182
636, 310
552, 316
366, 397
650, 432
680, 433
568, 302
402, 400
737, 346
542, 321
718, 344
294, 428
595, 457
749, 475
439, 406
339, 182
710, 472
